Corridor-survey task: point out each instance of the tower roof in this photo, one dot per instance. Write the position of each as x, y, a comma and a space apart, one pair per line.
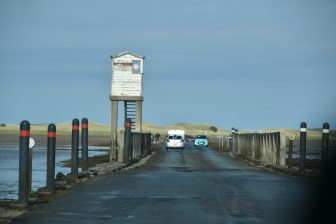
128, 52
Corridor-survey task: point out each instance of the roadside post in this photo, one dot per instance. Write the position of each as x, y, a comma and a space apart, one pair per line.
236, 141
290, 151
325, 148
229, 142
222, 140
303, 142
85, 144
30, 173
127, 139
24, 163
51, 147
74, 147
231, 139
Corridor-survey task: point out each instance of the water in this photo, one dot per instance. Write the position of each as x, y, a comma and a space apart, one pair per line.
313, 150
9, 167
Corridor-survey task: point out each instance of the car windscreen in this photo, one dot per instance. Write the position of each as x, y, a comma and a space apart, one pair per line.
201, 137
179, 137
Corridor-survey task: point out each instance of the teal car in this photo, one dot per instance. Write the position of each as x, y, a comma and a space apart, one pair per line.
201, 140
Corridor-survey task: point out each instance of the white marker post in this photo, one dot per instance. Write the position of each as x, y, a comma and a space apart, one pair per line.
303, 142
325, 149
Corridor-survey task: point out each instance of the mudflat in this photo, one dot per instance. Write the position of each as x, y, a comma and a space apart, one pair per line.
62, 140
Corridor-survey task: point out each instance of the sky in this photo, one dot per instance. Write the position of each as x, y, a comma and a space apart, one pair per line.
243, 63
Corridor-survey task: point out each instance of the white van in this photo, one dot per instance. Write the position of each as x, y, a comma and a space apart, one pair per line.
175, 139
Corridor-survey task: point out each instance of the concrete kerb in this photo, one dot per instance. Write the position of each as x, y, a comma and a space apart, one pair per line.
294, 171
283, 170
9, 209
6, 214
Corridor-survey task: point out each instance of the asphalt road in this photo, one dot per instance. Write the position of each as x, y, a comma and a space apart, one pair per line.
195, 185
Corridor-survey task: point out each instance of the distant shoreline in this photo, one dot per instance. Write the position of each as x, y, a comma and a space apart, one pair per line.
99, 134
61, 140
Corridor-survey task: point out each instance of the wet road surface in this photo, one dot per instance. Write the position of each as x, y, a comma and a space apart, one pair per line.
195, 185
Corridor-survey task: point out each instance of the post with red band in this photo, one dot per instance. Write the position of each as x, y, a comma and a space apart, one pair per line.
127, 139
51, 147
74, 147
85, 144
24, 163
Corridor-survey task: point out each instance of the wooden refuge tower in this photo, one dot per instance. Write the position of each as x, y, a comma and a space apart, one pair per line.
127, 83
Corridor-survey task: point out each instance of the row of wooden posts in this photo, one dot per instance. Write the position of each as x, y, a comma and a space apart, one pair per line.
270, 148
25, 157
